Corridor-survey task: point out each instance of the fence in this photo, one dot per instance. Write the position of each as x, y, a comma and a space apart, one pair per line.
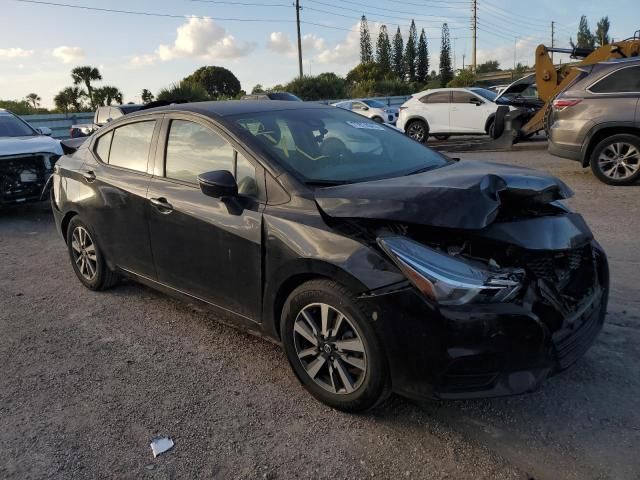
59, 123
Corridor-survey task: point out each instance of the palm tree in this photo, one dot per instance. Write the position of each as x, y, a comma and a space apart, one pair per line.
34, 99
86, 75
147, 96
111, 94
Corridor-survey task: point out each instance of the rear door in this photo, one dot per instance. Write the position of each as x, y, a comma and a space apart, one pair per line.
469, 112
434, 107
205, 247
116, 176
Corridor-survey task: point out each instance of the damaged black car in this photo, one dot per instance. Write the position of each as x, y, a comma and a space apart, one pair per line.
379, 264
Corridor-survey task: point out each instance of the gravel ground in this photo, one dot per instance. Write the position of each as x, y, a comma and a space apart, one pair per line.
88, 379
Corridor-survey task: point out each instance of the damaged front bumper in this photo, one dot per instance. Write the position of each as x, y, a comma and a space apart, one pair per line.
485, 350
23, 177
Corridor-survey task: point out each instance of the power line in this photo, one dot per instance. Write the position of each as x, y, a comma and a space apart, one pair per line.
247, 4
360, 11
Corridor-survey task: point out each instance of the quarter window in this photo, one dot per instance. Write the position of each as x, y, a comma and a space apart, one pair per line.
438, 97
130, 145
193, 149
103, 144
625, 80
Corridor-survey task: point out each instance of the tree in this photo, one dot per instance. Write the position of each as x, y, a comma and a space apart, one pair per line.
68, 98
183, 91
257, 89
397, 58
602, 32
488, 66
106, 95
465, 78
321, 87
383, 50
422, 67
86, 75
366, 50
34, 99
365, 72
218, 82
446, 72
147, 96
19, 107
585, 38
411, 53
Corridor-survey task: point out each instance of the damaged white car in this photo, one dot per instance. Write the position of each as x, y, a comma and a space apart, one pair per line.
27, 157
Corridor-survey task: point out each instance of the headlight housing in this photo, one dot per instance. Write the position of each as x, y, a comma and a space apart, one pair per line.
450, 280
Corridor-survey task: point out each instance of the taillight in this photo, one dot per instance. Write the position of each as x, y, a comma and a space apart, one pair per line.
562, 103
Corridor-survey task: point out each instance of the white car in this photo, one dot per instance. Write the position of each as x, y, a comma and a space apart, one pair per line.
373, 109
443, 112
27, 157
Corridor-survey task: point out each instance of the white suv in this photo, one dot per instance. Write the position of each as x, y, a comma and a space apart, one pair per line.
373, 109
442, 112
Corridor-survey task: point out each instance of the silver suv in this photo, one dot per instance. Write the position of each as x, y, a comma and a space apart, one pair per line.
596, 121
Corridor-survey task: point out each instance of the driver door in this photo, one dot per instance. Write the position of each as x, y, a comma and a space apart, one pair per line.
468, 113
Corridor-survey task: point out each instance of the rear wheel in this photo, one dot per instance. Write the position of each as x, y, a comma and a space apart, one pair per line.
86, 257
616, 159
377, 120
332, 347
418, 130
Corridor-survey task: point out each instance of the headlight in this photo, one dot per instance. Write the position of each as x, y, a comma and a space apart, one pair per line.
448, 280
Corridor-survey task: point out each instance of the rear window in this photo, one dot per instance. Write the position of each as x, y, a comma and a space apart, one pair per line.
130, 145
625, 80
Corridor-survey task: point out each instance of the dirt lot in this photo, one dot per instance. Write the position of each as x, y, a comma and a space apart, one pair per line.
88, 379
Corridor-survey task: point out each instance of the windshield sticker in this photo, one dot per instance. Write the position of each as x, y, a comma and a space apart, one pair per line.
366, 125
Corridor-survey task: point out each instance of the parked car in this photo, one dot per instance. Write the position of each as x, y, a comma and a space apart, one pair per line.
27, 156
522, 95
103, 115
442, 112
373, 109
290, 97
596, 121
379, 264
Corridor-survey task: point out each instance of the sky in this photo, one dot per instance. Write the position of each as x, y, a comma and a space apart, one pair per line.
256, 39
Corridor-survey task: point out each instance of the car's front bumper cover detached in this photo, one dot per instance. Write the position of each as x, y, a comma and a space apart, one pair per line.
487, 350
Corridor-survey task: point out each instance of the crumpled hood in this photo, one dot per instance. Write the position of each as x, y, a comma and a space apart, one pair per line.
464, 195
27, 145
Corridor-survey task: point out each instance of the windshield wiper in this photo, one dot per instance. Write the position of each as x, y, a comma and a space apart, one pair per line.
326, 183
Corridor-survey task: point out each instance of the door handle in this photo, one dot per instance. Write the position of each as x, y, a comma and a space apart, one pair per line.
89, 175
161, 204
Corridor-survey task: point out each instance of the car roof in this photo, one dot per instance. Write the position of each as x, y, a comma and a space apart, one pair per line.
232, 107
617, 61
448, 89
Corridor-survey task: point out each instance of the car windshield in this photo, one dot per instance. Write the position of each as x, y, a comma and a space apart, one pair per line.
333, 146
284, 96
375, 104
483, 92
12, 126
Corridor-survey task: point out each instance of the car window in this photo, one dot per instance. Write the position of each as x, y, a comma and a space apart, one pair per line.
193, 149
437, 97
103, 114
357, 106
333, 146
463, 97
115, 112
11, 126
246, 177
375, 104
103, 144
620, 81
130, 145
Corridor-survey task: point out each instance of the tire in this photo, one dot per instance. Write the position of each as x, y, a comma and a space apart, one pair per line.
345, 369
377, 120
418, 130
86, 257
616, 159
442, 137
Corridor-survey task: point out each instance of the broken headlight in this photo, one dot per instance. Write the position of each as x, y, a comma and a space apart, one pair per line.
450, 280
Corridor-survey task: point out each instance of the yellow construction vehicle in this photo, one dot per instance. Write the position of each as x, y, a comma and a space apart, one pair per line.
551, 80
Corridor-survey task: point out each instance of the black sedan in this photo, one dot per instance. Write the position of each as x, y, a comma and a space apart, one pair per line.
378, 263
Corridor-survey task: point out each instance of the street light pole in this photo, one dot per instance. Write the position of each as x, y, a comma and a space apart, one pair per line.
298, 7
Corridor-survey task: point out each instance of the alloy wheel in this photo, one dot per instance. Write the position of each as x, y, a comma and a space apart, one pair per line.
330, 348
619, 161
84, 253
416, 131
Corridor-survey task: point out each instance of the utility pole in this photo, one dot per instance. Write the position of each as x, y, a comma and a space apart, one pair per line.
474, 29
298, 8
515, 49
463, 55
553, 38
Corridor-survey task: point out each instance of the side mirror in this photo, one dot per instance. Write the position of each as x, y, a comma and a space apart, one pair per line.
365, 108
476, 101
109, 119
44, 131
218, 184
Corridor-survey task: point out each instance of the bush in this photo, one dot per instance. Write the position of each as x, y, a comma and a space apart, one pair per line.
465, 78
183, 91
218, 82
321, 87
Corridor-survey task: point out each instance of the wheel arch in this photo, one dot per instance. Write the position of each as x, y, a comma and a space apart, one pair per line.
490, 119
601, 132
64, 224
413, 118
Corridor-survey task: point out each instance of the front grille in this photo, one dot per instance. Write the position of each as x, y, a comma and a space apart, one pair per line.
559, 268
21, 178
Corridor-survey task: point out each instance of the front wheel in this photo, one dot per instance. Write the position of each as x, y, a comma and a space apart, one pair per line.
616, 159
377, 120
86, 257
333, 348
418, 130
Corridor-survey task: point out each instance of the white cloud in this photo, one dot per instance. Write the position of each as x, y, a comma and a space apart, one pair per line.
279, 42
15, 52
205, 39
69, 54
142, 60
